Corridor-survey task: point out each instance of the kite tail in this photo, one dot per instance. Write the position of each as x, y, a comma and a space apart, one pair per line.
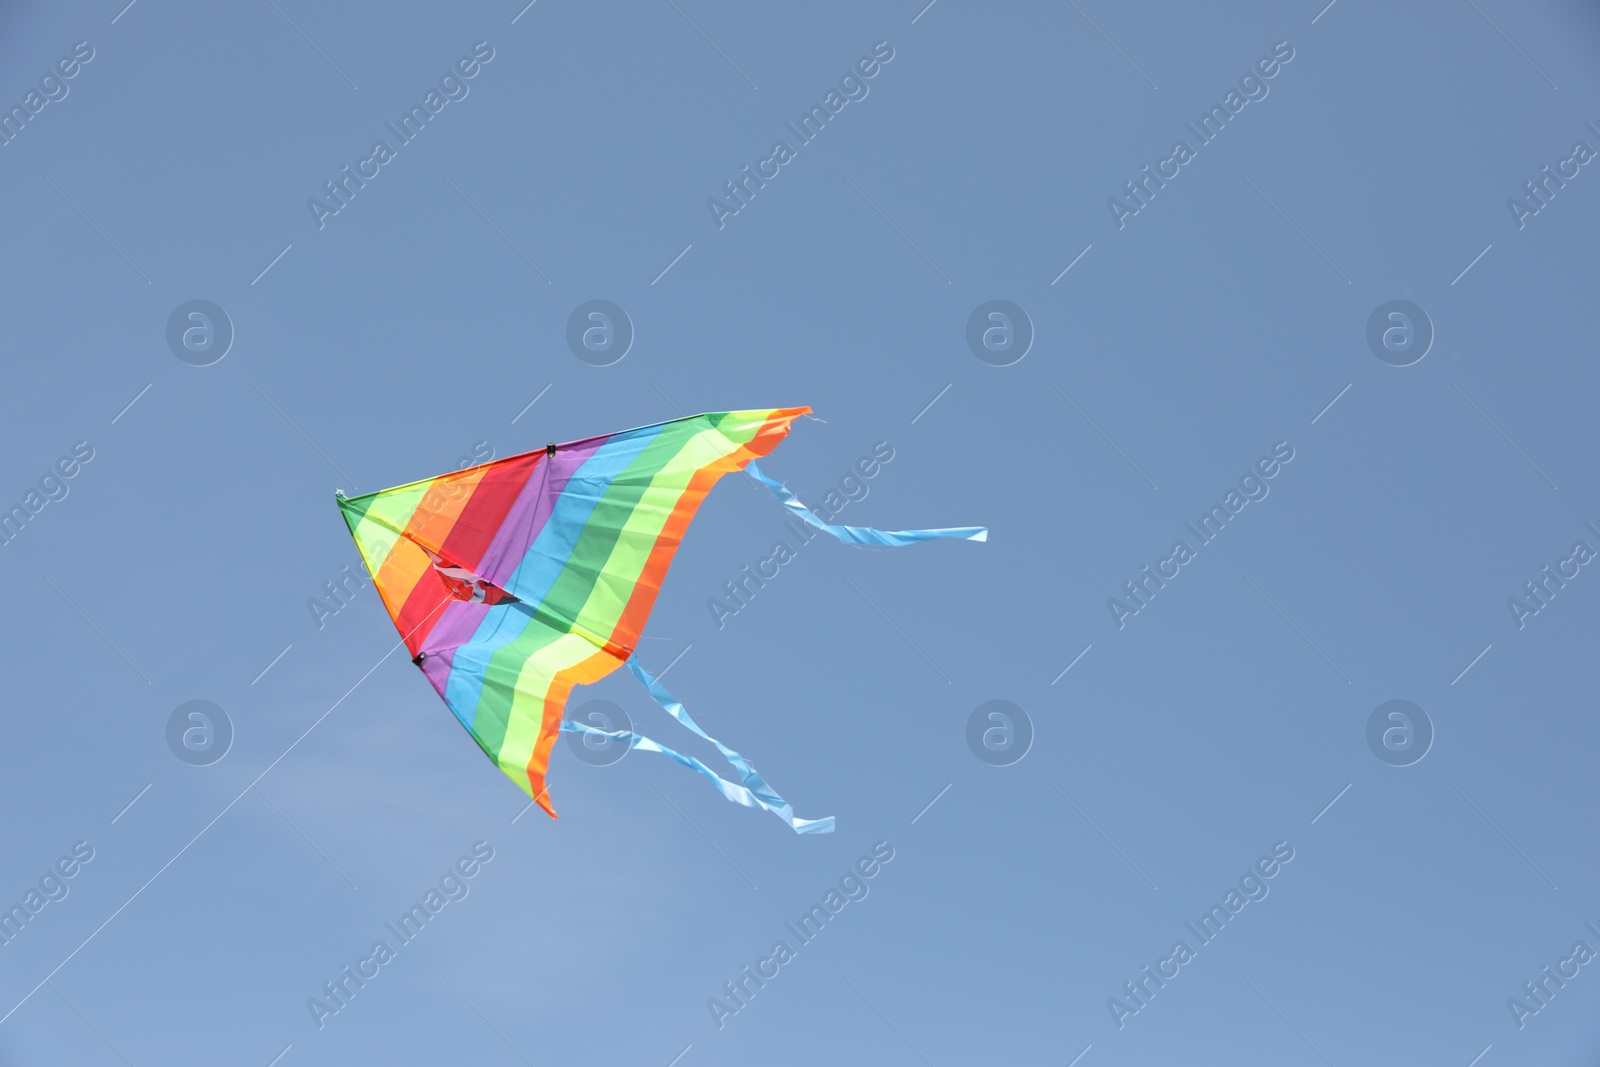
753, 793
736, 793
861, 535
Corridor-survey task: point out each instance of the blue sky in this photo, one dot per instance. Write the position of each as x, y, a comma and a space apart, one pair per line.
1223, 323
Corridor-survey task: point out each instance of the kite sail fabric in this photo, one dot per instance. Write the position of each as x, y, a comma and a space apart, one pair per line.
513, 581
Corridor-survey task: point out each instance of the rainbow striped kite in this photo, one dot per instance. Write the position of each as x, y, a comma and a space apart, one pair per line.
514, 581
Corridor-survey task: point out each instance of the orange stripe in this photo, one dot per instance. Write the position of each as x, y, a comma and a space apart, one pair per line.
436, 512
435, 516
631, 622
776, 429
402, 569
432, 525
589, 670
643, 596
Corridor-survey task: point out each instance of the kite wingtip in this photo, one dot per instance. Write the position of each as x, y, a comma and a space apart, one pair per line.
543, 800
981, 535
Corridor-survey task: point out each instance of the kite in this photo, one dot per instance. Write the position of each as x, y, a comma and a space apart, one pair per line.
513, 581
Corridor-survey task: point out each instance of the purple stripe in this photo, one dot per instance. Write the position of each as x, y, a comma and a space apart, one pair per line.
532, 510
436, 665
455, 628
457, 625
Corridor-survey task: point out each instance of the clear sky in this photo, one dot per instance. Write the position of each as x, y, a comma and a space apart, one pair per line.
1210, 330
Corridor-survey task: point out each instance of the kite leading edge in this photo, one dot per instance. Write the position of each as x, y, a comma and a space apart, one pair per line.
513, 581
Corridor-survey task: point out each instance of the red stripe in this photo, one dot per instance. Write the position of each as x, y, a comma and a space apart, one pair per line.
484, 514
419, 614
481, 515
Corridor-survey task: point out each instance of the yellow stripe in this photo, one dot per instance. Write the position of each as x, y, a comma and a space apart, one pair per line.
527, 704
380, 526
622, 568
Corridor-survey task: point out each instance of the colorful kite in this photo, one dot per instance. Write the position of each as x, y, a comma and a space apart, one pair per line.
513, 581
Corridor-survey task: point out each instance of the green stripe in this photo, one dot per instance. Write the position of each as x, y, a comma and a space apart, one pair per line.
658, 502
376, 520
498, 697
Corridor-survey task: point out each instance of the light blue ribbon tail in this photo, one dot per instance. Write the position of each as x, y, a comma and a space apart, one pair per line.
753, 793
861, 535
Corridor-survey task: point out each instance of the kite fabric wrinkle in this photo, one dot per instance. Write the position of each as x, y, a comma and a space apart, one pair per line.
516, 580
